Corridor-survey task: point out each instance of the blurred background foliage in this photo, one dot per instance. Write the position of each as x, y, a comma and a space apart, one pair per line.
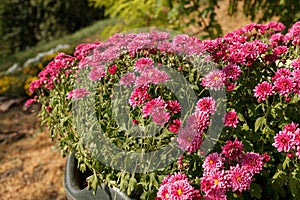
23, 23
201, 14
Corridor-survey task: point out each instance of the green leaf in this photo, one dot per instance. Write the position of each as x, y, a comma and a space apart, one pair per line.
294, 185
241, 117
286, 163
259, 123
255, 191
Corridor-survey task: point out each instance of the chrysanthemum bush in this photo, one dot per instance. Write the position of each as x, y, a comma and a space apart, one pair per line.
149, 90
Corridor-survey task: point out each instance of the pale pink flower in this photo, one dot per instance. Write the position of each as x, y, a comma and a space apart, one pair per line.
97, 73
151, 75
161, 117
78, 93
127, 79
214, 80
189, 139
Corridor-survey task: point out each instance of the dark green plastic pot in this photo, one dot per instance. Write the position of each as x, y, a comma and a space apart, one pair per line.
75, 190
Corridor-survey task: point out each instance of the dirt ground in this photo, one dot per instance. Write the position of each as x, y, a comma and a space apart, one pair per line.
31, 167
30, 164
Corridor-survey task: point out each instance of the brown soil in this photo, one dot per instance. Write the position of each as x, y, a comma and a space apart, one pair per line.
30, 165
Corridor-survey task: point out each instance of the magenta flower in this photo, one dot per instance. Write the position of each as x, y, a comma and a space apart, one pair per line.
207, 105
291, 127
231, 119
296, 63
139, 96
198, 121
233, 150
284, 85
78, 93
213, 161
112, 70
175, 126
143, 64
281, 72
263, 90
296, 138
97, 73
173, 106
214, 181
239, 178
177, 187
252, 162
214, 80
280, 50
232, 71
153, 106
127, 79
283, 141
29, 102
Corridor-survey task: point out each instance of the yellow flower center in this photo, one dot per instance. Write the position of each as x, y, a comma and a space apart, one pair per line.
166, 195
179, 192
211, 162
216, 78
216, 181
238, 178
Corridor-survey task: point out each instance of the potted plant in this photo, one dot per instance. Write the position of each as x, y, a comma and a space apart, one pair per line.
162, 116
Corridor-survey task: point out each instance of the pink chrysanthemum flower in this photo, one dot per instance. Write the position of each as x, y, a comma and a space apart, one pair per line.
97, 73
231, 119
207, 105
198, 121
139, 96
280, 50
189, 139
239, 178
177, 187
127, 79
214, 80
284, 85
252, 162
173, 106
181, 190
281, 72
296, 138
233, 150
263, 90
296, 63
153, 106
151, 75
161, 117
213, 161
232, 71
283, 141
215, 195
298, 152
291, 127
78, 93
143, 64
175, 126
214, 181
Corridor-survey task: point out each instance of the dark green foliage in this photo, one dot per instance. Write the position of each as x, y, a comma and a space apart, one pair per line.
26, 22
